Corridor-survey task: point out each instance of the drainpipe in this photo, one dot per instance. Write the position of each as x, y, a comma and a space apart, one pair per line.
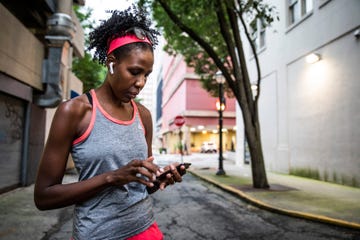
25, 147
60, 28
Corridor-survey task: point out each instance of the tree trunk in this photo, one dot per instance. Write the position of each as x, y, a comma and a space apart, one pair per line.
253, 136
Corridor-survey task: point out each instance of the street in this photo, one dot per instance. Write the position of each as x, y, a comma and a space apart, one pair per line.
195, 209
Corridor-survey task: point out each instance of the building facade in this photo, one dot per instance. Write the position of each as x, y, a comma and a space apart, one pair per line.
37, 43
179, 93
309, 111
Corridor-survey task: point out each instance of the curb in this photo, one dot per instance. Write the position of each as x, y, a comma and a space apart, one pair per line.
262, 205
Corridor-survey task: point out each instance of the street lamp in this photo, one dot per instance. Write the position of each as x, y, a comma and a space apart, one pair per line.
220, 106
313, 58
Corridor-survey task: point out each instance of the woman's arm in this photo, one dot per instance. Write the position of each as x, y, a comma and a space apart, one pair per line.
49, 191
69, 121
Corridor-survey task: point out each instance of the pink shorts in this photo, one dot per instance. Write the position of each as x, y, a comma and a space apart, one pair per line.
152, 233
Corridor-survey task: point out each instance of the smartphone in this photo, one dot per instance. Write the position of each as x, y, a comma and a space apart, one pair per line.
163, 177
178, 168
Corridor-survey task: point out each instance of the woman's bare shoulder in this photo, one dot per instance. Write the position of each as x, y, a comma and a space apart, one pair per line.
72, 116
77, 106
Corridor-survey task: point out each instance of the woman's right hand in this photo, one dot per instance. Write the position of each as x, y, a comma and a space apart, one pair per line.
142, 171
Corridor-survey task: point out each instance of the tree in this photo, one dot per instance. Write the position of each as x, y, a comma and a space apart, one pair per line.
90, 72
208, 35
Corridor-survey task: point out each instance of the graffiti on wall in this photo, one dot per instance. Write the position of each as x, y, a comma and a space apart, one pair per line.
11, 121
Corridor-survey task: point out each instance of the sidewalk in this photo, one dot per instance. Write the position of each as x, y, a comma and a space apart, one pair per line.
20, 219
291, 195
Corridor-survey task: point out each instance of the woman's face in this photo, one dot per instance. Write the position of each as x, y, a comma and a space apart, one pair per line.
130, 74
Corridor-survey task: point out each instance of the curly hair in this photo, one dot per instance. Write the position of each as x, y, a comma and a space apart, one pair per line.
115, 27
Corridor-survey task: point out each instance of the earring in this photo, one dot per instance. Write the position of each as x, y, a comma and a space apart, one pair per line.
111, 69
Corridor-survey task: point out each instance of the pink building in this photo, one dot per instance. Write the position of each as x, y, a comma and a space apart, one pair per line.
183, 95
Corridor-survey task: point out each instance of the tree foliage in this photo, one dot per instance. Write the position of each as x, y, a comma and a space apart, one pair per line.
208, 33
90, 72
181, 42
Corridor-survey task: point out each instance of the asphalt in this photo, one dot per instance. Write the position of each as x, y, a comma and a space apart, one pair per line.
291, 195
294, 196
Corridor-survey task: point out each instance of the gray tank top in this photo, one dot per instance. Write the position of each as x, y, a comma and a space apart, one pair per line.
106, 145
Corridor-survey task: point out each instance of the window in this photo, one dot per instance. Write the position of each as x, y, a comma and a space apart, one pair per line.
298, 9
258, 36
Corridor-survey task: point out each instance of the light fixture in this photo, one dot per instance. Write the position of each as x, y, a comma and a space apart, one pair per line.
220, 107
313, 58
219, 77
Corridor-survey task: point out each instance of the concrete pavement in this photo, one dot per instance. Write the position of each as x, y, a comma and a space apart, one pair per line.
20, 219
294, 196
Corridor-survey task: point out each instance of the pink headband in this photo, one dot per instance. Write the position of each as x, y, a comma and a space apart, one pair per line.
121, 41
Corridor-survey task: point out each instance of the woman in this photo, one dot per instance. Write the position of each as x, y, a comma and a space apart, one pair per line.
109, 137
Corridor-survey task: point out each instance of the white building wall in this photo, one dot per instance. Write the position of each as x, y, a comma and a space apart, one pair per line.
148, 93
309, 113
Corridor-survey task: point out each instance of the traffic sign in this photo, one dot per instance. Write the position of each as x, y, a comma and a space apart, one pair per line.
179, 120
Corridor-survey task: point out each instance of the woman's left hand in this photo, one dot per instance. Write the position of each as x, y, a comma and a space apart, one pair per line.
171, 175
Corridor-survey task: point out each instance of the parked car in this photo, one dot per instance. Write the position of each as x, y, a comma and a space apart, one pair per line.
208, 147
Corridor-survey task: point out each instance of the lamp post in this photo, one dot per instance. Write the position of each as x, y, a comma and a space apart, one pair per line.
220, 106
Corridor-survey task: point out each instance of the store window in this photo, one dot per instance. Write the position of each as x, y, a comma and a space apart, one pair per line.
298, 9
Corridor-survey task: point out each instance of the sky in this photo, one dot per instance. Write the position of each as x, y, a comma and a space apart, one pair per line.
100, 6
